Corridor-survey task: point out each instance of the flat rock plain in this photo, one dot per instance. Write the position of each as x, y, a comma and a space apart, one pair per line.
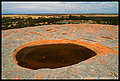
103, 39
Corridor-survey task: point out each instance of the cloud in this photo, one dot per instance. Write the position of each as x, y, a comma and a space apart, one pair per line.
60, 7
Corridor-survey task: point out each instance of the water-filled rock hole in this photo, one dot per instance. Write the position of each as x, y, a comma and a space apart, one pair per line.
52, 55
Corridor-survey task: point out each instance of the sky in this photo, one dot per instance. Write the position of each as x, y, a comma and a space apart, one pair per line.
59, 7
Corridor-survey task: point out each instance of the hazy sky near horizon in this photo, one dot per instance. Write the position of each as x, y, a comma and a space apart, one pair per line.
59, 7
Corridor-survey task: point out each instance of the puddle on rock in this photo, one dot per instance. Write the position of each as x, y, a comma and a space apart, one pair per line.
52, 55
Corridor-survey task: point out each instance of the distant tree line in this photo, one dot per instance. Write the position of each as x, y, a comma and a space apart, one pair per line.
10, 23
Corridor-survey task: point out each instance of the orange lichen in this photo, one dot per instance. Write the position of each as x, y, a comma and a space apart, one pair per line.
104, 49
64, 33
110, 73
57, 27
8, 72
106, 37
37, 33
100, 62
8, 34
70, 35
26, 33
52, 35
116, 47
74, 69
60, 38
36, 78
51, 30
16, 39
98, 48
70, 31
16, 78
16, 71
16, 30
41, 75
90, 78
89, 61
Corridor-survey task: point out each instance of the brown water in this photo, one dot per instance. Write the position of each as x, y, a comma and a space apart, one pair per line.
52, 55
